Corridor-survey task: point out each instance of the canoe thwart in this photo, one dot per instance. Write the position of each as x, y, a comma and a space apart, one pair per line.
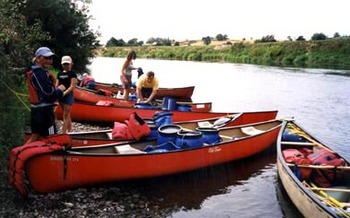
321, 166
297, 143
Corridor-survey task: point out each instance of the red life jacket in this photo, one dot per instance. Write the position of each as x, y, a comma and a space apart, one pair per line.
138, 127
322, 177
295, 156
133, 129
88, 79
33, 94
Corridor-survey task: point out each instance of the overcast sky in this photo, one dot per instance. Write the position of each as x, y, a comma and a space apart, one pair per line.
192, 19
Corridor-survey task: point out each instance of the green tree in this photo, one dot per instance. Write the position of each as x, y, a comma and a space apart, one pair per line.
268, 38
113, 42
67, 26
16, 41
300, 38
318, 36
206, 40
221, 37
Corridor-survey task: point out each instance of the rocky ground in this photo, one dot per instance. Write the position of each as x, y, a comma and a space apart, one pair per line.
104, 201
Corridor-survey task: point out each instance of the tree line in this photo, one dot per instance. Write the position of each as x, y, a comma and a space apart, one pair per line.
113, 42
26, 25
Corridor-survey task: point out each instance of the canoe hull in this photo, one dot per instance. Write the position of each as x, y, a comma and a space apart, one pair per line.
84, 112
307, 202
51, 173
91, 96
177, 92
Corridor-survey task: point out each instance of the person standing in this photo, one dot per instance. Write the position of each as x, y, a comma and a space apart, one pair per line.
126, 73
42, 95
146, 87
68, 78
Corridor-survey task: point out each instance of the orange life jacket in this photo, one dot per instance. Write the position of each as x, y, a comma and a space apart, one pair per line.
33, 93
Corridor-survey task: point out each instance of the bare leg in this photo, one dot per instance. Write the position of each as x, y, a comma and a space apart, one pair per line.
67, 121
126, 94
34, 137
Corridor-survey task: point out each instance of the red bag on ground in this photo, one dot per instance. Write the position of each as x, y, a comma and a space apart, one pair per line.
295, 156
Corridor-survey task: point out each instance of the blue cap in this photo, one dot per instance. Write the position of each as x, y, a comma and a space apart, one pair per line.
43, 51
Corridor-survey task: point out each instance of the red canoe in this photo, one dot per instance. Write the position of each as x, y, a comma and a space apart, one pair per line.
52, 169
99, 137
86, 112
92, 96
177, 92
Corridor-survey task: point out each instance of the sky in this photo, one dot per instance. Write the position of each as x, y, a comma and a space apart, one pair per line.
193, 20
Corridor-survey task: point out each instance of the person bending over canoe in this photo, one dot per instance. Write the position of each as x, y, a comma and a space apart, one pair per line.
146, 87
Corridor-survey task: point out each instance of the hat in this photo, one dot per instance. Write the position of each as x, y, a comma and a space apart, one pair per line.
66, 60
43, 51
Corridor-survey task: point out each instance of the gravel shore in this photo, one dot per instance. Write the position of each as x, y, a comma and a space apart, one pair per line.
120, 200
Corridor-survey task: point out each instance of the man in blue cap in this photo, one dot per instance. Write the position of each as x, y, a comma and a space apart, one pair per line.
42, 95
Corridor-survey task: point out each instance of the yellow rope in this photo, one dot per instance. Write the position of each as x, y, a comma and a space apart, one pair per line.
17, 94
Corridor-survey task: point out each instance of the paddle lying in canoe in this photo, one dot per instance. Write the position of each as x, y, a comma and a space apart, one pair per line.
316, 178
52, 166
107, 98
106, 136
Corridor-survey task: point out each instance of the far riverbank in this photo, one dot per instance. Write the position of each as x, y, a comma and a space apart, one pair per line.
327, 54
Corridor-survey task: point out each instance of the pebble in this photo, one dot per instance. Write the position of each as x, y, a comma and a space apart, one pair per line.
83, 202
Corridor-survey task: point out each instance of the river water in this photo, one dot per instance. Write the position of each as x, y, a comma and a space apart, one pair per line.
319, 100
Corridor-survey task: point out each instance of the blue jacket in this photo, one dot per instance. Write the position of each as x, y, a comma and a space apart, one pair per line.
44, 84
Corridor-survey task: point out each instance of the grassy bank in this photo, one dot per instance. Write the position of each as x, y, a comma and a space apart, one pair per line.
330, 53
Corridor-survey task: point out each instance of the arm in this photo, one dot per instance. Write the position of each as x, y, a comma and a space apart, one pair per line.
153, 94
45, 84
57, 80
73, 83
139, 95
154, 90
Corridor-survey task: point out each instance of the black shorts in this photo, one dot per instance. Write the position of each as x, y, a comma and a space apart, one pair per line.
68, 99
146, 92
43, 120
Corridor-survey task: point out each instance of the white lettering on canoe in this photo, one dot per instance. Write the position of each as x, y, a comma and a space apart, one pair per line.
214, 149
55, 158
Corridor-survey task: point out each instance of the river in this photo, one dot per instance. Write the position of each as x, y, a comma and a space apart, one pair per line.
319, 100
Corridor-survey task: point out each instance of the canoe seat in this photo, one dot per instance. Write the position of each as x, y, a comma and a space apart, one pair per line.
204, 124
250, 130
109, 134
127, 149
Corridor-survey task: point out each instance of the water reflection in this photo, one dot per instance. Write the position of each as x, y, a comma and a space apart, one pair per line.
189, 191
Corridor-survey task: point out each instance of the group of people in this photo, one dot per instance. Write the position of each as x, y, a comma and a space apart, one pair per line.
45, 90
147, 84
